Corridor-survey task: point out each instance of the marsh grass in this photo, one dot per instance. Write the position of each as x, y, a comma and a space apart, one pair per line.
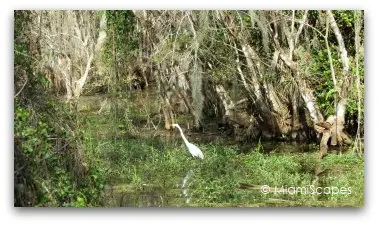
146, 170
217, 179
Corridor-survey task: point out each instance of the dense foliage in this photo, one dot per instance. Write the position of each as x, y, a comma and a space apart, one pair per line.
246, 75
50, 169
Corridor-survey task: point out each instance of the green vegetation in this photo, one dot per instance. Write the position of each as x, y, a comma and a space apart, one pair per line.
62, 176
146, 171
155, 168
142, 166
97, 91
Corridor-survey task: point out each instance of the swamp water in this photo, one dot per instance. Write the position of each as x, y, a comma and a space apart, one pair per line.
146, 166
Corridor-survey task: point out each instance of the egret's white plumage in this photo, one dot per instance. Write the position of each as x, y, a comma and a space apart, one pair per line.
194, 150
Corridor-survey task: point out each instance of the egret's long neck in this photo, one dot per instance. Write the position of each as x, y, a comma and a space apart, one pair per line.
182, 135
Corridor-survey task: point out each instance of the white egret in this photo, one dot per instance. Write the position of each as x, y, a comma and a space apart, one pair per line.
194, 150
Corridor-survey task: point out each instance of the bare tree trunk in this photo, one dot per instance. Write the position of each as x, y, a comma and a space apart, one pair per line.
80, 83
341, 105
337, 134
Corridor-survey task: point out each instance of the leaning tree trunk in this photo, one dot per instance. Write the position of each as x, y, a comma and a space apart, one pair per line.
259, 90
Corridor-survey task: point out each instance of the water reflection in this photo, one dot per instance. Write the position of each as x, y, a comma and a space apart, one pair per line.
185, 185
